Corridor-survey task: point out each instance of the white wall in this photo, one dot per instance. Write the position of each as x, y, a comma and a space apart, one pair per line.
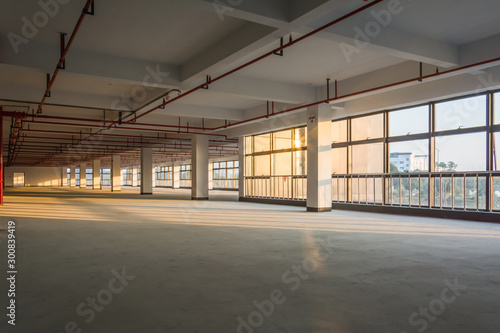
33, 176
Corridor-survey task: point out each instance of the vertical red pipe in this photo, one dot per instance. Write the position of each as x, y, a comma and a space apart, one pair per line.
1, 157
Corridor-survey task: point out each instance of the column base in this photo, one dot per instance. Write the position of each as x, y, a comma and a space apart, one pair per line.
201, 198
319, 210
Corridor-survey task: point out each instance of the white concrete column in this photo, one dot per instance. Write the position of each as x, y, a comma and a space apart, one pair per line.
64, 176
319, 158
210, 175
153, 173
176, 175
135, 172
146, 166
199, 166
241, 158
72, 178
83, 175
116, 177
96, 174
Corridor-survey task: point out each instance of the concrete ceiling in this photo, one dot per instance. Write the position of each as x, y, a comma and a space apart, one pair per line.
128, 46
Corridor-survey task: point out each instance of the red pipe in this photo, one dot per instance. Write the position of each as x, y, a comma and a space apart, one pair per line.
63, 55
268, 54
362, 92
1, 158
113, 122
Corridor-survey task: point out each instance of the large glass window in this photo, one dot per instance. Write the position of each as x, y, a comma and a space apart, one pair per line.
89, 176
262, 143
300, 137
461, 113
277, 166
262, 165
226, 175
339, 160
369, 127
409, 121
463, 152
185, 175
164, 175
496, 112
282, 164
282, 140
339, 131
105, 177
409, 156
368, 158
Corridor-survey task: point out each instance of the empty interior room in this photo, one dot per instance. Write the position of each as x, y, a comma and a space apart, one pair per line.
250, 166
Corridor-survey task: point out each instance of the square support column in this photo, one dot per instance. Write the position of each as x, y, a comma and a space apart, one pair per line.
96, 174
83, 175
135, 177
64, 176
319, 158
146, 175
116, 177
176, 176
72, 176
153, 177
241, 158
210, 175
199, 158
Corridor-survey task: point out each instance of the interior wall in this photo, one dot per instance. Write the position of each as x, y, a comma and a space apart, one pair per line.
35, 176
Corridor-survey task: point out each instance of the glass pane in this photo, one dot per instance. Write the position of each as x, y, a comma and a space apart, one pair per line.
367, 158
237, 164
222, 174
262, 165
248, 166
339, 161
464, 152
370, 127
248, 145
262, 142
230, 174
409, 156
409, 121
222, 165
496, 150
466, 112
282, 164
496, 111
282, 140
300, 137
300, 163
496, 193
216, 165
216, 174
339, 131
230, 164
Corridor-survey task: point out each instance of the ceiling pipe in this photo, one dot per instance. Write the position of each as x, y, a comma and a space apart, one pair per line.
268, 54
64, 54
382, 88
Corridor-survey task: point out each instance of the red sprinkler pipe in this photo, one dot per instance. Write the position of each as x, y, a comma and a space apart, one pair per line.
268, 54
63, 55
1, 158
364, 92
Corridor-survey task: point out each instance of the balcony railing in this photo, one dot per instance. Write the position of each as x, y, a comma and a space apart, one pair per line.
473, 191
276, 187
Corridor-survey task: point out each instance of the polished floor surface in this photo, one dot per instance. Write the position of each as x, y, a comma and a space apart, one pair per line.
96, 261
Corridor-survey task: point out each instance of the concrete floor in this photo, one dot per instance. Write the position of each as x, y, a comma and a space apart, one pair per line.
201, 266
